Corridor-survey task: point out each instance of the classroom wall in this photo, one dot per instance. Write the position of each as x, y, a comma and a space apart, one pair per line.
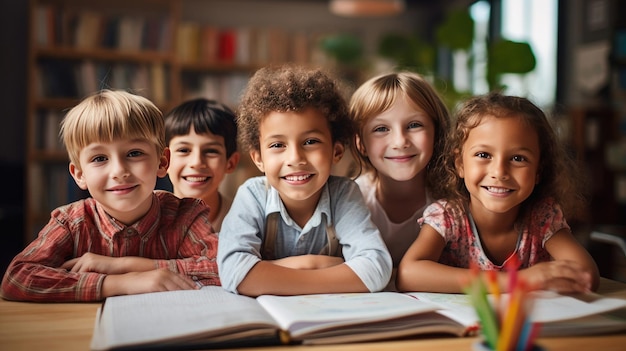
12, 109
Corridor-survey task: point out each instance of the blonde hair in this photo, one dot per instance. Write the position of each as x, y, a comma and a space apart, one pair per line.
110, 115
379, 93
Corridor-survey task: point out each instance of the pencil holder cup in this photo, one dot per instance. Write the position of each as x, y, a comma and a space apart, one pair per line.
481, 345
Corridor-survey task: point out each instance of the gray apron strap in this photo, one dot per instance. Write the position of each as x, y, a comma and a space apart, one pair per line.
332, 243
268, 246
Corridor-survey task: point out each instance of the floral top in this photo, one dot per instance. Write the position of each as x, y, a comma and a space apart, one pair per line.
463, 244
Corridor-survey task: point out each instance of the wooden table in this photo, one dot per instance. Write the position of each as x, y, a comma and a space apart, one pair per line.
69, 326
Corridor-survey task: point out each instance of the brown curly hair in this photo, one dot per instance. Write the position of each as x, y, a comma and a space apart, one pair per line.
559, 178
291, 88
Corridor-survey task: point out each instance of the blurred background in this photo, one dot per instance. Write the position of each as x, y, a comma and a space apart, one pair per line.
569, 57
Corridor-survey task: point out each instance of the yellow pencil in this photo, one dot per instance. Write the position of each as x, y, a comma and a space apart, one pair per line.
511, 324
494, 289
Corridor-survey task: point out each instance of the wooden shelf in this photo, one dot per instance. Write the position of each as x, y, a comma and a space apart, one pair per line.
100, 54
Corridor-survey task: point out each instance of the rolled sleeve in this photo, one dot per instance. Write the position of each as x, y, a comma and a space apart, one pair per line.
240, 238
363, 247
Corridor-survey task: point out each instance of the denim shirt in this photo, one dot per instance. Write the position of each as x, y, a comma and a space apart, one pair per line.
341, 203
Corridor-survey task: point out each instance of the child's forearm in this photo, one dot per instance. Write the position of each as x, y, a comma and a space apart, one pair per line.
426, 275
308, 261
39, 283
268, 278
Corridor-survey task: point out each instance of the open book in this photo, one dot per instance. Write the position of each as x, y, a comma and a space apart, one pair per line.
214, 317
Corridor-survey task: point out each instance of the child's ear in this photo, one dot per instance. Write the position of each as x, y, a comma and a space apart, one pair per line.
458, 164
77, 174
359, 146
338, 151
164, 163
232, 162
255, 155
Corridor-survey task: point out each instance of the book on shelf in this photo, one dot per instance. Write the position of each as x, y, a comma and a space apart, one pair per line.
158, 83
187, 42
77, 79
130, 33
89, 30
227, 49
213, 317
243, 44
45, 31
300, 48
49, 126
209, 44
220, 87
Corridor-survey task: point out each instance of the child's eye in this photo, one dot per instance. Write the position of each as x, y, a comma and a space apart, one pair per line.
413, 125
311, 141
212, 152
482, 155
381, 129
519, 158
276, 145
98, 159
135, 153
183, 150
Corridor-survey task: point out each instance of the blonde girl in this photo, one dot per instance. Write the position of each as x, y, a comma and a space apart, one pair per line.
402, 123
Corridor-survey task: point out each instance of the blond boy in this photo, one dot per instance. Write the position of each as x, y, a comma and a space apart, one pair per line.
126, 238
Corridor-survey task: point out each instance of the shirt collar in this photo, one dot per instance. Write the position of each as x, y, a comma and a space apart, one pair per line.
144, 226
275, 204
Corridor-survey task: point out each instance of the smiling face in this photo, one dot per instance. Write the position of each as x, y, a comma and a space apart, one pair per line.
198, 164
399, 142
121, 176
499, 164
296, 154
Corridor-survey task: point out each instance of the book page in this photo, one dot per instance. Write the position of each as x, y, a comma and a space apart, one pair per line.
454, 306
309, 313
559, 314
551, 307
176, 315
605, 323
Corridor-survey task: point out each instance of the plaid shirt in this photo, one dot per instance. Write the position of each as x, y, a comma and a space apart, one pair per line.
175, 233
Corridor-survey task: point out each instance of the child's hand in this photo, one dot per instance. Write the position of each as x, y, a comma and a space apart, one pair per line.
560, 276
91, 262
309, 261
145, 282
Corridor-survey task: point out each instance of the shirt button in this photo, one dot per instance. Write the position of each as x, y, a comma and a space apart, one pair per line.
194, 278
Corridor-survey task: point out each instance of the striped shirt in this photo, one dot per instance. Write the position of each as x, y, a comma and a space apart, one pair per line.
175, 232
